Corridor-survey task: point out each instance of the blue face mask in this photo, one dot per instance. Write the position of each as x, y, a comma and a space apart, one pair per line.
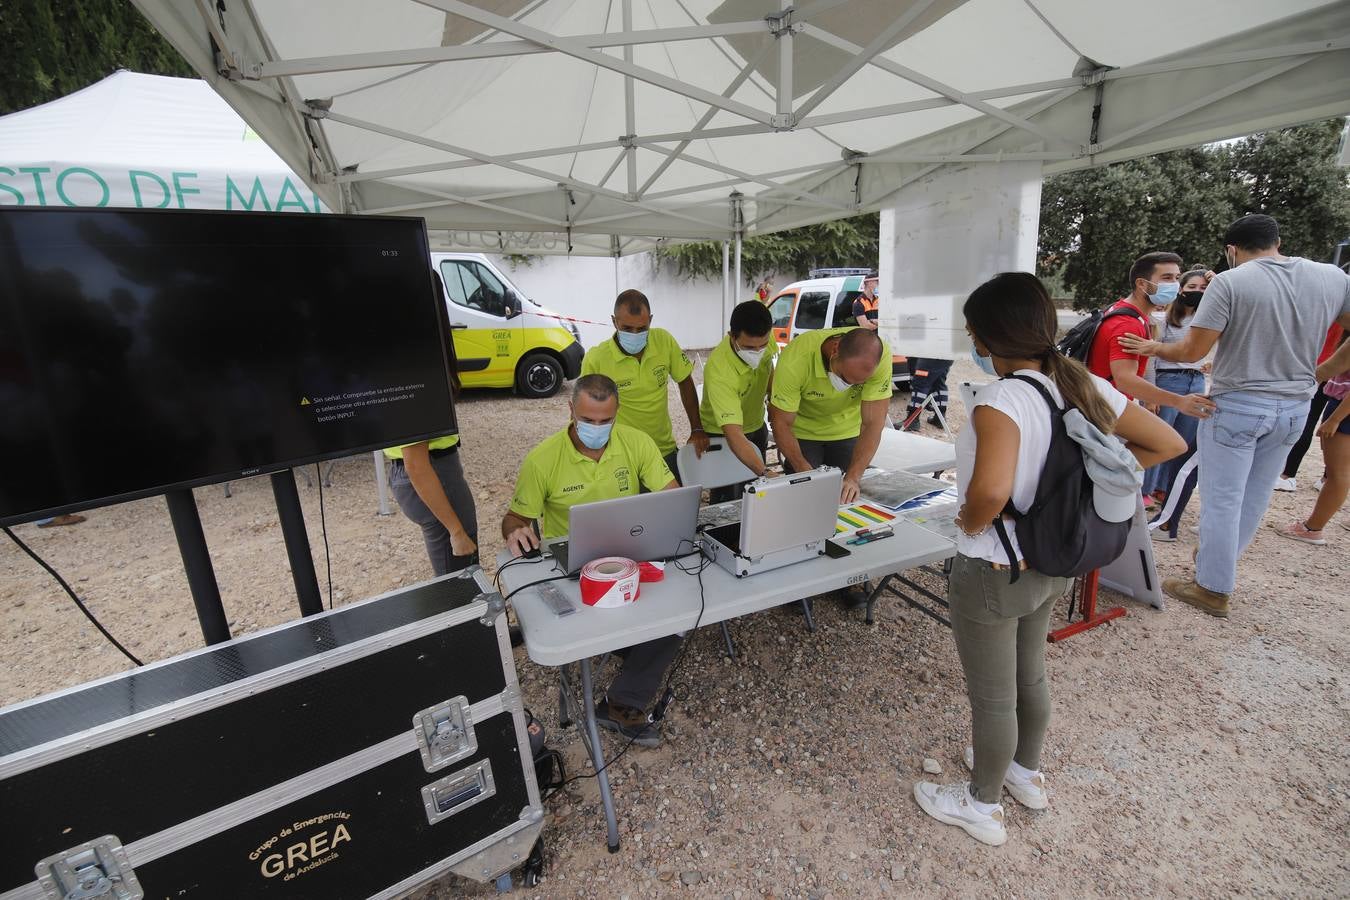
1166, 293
594, 436
986, 363
632, 343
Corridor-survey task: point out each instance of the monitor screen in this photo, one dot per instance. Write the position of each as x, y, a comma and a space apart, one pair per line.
142, 350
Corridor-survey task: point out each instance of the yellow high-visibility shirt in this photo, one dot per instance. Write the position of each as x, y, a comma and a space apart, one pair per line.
801, 385
440, 443
643, 396
556, 476
733, 393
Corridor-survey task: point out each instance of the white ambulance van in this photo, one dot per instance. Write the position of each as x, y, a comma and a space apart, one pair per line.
502, 338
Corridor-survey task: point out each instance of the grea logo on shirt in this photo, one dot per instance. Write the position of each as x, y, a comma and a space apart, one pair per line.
659, 373
623, 478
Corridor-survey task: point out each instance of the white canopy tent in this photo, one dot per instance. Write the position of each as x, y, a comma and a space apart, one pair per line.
144, 141
616, 123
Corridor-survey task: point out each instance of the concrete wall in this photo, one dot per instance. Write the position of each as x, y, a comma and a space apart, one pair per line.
585, 287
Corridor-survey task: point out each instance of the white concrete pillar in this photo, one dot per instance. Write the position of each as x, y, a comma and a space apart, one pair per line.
943, 235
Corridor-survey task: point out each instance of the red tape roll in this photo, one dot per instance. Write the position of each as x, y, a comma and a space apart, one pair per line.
609, 582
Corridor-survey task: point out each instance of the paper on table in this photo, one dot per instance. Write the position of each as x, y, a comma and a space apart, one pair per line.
857, 516
894, 489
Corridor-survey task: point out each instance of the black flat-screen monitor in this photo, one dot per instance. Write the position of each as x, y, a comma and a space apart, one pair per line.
145, 350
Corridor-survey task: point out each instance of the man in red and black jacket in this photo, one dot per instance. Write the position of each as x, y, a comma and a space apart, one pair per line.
1154, 281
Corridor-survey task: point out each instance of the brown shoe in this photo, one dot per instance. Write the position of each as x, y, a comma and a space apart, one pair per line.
1187, 591
67, 519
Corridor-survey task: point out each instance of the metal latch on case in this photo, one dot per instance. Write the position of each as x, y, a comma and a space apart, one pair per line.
445, 733
97, 868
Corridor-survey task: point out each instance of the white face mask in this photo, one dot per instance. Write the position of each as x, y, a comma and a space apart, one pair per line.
751, 358
836, 382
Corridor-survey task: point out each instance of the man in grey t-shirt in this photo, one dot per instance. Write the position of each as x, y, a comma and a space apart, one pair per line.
1269, 315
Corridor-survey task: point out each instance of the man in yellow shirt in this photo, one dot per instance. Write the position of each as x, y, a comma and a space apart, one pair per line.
427, 480
736, 382
831, 393
596, 458
641, 359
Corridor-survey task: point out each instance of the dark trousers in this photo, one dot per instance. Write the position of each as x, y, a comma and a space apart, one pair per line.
644, 665
644, 669
760, 438
930, 378
826, 453
1315, 407
437, 538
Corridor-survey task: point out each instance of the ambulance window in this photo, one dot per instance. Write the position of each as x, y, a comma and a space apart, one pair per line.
843, 310
781, 310
812, 309
472, 285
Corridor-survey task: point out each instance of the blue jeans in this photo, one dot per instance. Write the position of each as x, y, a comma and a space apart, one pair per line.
1183, 382
1242, 447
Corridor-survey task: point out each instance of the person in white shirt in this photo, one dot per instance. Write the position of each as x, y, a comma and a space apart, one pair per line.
1000, 625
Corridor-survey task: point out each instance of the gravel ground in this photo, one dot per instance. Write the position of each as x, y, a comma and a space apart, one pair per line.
1188, 756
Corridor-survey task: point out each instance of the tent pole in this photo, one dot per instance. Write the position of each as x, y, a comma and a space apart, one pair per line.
381, 482
736, 273
726, 277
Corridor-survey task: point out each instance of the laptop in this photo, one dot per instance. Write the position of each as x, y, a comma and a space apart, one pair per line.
784, 520
643, 527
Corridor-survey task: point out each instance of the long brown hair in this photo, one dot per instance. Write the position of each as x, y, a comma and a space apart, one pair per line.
1178, 310
1013, 316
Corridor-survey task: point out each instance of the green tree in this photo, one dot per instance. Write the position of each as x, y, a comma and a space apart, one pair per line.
1094, 223
843, 242
1291, 174
56, 47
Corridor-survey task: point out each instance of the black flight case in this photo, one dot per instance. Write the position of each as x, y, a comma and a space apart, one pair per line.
360, 752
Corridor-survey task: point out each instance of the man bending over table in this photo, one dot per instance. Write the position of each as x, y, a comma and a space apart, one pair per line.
592, 459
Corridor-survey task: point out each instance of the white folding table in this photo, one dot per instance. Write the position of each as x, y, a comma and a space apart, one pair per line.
673, 606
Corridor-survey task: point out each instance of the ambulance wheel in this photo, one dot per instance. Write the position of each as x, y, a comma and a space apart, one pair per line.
539, 375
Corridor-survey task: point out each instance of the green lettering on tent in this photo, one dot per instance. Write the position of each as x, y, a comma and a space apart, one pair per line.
36, 172
283, 201
257, 195
179, 190
81, 170
18, 194
134, 175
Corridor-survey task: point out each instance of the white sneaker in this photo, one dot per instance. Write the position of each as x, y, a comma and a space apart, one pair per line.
1030, 792
1318, 484
1286, 484
953, 805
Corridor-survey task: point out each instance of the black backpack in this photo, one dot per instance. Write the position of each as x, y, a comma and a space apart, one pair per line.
1061, 533
1077, 343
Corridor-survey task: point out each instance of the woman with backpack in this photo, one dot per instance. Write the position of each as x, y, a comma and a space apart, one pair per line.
1000, 606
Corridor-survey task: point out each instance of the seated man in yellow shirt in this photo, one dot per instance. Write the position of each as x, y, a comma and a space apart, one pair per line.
596, 458
736, 382
641, 359
831, 393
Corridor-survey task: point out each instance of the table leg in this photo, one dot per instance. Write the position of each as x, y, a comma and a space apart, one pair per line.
564, 697
726, 636
806, 611
872, 598
598, 756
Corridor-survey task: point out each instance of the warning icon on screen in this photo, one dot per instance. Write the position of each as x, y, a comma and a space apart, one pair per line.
304, 401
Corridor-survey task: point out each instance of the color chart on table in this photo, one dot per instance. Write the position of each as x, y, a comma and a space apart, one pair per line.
861, 515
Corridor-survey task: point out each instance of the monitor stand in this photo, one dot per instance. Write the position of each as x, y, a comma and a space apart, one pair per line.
187, 528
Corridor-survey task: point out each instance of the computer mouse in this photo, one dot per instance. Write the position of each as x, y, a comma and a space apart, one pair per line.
532, 553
